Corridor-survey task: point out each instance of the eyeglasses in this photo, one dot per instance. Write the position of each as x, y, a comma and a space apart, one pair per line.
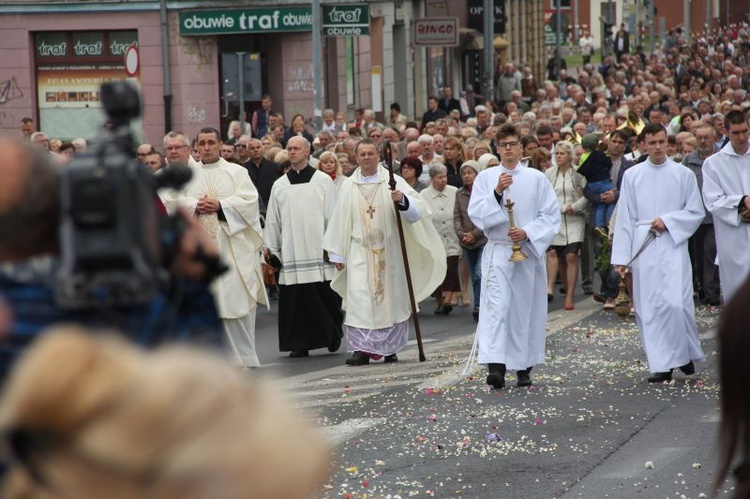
503, 145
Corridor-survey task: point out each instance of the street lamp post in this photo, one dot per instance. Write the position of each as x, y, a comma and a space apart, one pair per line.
489, 49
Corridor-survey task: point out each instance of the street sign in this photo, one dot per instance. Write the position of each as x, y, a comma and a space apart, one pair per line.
476, 15
436, 32
346, 20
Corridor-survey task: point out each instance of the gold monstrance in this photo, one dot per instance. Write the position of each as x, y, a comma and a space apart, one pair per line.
517, 255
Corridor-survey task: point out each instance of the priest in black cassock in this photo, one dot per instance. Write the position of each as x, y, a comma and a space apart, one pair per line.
300, 206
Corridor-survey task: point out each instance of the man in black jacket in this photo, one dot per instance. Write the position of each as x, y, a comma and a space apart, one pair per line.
448, 103
262, 172
433, 112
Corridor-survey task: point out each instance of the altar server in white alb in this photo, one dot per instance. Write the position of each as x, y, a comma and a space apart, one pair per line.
511, 333
662, 196
362, 240
225, 201
726, 192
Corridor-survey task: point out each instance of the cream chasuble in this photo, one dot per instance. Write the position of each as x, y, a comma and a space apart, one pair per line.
238, 290
364, 235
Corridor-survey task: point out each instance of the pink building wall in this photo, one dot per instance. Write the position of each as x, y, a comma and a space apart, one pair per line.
193, 69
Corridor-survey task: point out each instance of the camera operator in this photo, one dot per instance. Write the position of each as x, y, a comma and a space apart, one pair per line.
30, 246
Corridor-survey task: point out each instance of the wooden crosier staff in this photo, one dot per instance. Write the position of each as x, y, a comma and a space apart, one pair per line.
388, 159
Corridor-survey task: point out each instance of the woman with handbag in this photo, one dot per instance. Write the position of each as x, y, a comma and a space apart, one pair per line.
564, 252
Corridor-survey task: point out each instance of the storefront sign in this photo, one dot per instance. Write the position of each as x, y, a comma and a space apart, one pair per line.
476, 15
436, 32
217, 22
70, 68
346, 20
550, 27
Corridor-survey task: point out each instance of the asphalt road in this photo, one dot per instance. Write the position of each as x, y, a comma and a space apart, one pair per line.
591, 426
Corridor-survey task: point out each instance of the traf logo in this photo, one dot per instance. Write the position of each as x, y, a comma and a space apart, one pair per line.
349, 16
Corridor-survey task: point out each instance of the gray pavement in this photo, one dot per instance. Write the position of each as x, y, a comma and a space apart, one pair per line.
591, 426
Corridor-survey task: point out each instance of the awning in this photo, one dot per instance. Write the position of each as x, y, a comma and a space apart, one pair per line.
472, 39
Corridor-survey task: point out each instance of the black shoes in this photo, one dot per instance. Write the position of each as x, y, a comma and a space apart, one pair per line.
358, 359
496, 377
296, 354
588, 289
388, 359
334, 347
660, 377
688, 368
444, 309
524, 377
475, 314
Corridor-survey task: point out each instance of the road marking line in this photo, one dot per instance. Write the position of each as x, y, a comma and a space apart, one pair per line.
340, 433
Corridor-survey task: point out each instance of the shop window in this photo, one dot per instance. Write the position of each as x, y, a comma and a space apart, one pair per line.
70, 68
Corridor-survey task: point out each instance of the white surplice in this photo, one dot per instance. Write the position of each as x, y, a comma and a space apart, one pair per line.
238, 291
513, 301
726, 178
662, 274
363, 234
302, 210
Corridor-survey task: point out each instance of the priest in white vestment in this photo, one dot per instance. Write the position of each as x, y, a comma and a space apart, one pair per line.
362, 240
662, 196
300, 206
726, 192
225, 200
511, 333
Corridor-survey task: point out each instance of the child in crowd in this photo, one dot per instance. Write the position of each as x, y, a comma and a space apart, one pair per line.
595, 166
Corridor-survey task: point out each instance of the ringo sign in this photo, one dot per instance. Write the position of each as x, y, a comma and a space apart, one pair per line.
437, 32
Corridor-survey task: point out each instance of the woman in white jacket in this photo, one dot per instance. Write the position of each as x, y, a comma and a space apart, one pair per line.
565, 250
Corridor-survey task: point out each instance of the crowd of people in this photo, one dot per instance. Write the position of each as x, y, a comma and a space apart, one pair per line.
582, 130
636, 168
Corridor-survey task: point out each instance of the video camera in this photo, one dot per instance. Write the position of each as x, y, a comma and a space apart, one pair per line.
116, 244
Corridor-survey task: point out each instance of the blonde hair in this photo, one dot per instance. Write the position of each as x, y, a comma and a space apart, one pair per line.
271, 152
330, 155
118, 422
568, 148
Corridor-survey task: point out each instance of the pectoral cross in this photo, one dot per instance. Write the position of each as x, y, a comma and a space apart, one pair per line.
370, 210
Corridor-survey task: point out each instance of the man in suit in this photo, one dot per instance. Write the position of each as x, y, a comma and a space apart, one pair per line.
448, 103
262, 172
622, 42
618, 140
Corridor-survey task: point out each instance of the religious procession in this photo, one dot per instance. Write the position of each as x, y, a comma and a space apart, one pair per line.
628, 180
481, 203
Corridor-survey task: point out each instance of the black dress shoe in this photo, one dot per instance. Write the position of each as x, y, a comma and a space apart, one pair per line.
660, 377
358, 359
524, 377
688, 368
588, 289
439, 310
550, 297
296, 354
496, 377
475, 314
447, 309
388, 359
335, 345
